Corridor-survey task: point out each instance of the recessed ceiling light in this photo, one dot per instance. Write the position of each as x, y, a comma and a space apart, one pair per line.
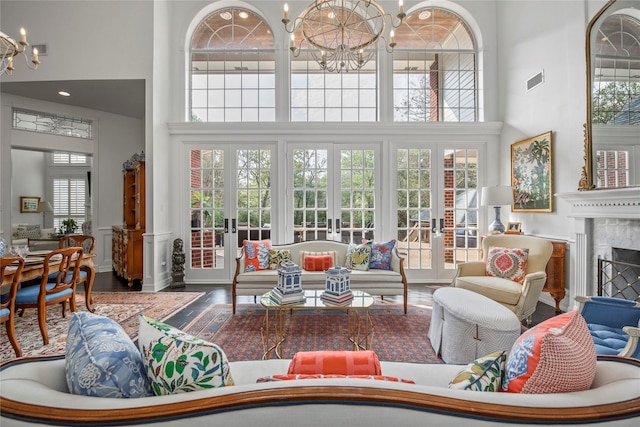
63, 93
425, 14
226, 16
243, 15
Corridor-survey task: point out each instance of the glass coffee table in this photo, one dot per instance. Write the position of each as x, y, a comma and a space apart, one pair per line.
274, 325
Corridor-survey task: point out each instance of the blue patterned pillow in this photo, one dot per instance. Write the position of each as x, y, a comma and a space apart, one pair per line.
101, 360
177, 362
381, 254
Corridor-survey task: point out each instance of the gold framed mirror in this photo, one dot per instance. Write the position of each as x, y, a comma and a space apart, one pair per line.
612, 129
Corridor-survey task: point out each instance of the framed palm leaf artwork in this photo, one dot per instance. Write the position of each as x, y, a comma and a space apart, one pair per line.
531, 180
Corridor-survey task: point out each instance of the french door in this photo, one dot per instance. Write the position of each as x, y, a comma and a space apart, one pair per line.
230, 200
333, 192
436, 208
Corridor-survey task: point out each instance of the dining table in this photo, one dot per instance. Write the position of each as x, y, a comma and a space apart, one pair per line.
34, 268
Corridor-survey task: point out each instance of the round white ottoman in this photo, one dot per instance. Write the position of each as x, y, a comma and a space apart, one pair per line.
466, 325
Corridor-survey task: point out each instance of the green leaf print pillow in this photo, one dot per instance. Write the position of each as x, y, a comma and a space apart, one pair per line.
177, 362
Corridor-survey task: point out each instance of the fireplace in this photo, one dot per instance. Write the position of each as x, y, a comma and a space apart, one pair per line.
603, 219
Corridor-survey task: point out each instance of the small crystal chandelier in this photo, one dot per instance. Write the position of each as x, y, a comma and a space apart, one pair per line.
9, 49
342, 34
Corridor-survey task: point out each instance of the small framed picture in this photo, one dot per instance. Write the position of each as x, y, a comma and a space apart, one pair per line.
29, 204
514, 228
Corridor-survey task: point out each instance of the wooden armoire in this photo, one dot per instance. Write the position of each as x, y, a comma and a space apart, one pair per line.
127, 244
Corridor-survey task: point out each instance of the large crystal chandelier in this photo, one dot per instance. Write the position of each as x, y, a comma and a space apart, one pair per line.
342, 34
9, 49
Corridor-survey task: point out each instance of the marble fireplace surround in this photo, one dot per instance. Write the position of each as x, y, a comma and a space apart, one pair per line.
603, 219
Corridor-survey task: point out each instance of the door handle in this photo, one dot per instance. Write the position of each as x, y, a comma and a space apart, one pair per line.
233, 225
442, 225
337, 225
329, 228
226, 225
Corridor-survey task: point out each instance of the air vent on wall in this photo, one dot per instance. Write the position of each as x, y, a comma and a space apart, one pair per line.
42, 49
535, 81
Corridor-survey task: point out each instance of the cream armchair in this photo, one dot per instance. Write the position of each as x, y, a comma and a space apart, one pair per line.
521, 298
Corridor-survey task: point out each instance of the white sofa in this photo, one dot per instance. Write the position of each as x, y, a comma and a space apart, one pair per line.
375, 282
30, 235
34, 391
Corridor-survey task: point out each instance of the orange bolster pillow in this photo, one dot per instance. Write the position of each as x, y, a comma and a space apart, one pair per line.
335, 363
318, 262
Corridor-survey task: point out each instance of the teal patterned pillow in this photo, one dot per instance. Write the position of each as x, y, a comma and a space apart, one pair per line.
483, 374
101, 360
177, 362
278, 257
358, 256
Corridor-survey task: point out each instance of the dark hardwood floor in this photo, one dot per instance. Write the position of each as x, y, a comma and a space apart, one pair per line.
221, 294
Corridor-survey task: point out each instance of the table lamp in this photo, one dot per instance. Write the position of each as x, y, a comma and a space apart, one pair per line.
44, 207
496, 196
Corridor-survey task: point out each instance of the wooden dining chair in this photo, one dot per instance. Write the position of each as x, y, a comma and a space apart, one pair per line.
7, 306
88, 243
64, 263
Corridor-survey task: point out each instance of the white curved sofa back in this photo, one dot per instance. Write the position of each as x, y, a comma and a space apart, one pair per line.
34, 392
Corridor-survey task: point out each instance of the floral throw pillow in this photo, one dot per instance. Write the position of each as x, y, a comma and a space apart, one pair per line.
381, 253
508, 263
483, 374
101, 360
556, 356
256, 255
177, 362
278, 257
358, 256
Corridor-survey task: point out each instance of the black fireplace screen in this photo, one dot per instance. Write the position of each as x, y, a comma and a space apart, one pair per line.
618, 279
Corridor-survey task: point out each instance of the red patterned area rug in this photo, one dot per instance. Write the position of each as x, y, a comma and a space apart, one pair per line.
123, 307
397, 337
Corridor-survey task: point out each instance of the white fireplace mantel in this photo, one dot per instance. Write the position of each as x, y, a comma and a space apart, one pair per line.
610, 203
619, 203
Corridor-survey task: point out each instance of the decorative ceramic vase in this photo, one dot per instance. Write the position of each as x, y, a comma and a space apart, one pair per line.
3, 246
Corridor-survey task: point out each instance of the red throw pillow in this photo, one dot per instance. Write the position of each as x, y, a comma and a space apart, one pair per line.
556, 356
318, 262
335, 363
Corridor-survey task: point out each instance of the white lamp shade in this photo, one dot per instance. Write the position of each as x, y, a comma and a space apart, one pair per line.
44, 207
498, 195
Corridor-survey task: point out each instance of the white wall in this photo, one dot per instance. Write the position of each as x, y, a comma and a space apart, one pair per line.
28, 181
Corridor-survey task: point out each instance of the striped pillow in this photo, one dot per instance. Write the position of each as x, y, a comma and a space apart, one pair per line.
304, 254
317, 262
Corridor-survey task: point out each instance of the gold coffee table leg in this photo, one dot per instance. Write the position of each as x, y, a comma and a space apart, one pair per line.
274, 332
360, 330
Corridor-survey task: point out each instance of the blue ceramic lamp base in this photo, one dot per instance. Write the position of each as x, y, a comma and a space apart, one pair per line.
497, 226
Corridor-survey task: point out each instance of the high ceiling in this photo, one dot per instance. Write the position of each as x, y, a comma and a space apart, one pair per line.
123, 97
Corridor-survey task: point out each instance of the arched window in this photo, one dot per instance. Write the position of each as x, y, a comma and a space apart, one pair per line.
434, 69
232, 68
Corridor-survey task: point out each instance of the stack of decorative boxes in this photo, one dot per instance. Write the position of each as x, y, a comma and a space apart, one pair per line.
338, 286
288, 290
